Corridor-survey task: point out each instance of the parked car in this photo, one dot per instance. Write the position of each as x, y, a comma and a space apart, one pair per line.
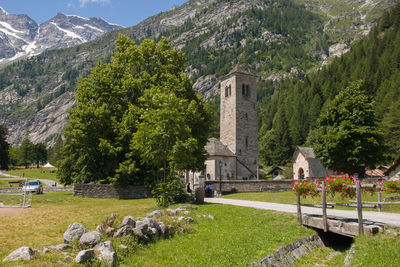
33, 186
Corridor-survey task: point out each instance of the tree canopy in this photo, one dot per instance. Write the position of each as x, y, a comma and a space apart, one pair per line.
137, 119
347, 137
4, 148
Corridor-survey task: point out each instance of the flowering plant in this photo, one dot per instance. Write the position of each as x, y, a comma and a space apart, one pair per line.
392, 186
306, 188
342, 184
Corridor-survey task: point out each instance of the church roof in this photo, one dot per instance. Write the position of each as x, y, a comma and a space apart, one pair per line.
237, 69
214, 147
308, 152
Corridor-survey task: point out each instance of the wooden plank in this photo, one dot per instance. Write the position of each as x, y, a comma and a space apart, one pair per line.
359, 208
324, 207
377, 203
299, 217
351, 205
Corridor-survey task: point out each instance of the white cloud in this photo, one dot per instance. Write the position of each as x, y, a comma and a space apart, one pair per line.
84, 2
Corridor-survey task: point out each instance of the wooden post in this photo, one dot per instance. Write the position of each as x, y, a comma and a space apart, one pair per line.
299, 216
379, 200
359, 208
324, 207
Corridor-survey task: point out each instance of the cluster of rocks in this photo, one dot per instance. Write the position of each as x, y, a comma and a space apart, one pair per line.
92, 245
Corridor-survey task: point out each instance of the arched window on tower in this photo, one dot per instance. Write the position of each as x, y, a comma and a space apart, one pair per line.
247, 90
226, 91
229, 90
243, 89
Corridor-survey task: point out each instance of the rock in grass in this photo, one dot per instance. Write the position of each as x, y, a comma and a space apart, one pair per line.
124, 230
110, 231
90, 239
156, 213
59, 247
128, 220
84, 256
74, 232
107, 253
23, 253
186, 219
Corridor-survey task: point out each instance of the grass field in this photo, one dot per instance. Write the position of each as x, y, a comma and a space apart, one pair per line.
382, 250
290, 198
236, 237
41, 173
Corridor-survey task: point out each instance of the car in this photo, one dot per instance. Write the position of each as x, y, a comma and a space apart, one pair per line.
33, 186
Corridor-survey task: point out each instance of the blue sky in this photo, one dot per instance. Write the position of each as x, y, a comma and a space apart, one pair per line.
123, 12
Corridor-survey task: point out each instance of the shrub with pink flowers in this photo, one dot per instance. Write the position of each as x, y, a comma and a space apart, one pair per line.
340, 184
306, 188
392, 187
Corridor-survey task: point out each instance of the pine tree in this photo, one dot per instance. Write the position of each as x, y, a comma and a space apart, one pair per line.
4, 148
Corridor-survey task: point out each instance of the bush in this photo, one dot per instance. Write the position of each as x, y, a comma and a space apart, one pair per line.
170, 192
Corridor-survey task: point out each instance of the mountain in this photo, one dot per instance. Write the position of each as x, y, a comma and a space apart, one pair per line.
275, 39
20, 36
297, 104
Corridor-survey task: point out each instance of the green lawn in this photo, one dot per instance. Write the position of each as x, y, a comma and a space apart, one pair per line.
41, 173
382, 250
236, 237
290, 198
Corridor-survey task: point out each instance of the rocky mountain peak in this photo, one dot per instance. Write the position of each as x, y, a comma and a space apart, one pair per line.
20, 36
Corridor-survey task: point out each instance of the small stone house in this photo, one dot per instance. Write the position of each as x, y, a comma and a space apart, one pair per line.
394, 171
305, 165
277, 173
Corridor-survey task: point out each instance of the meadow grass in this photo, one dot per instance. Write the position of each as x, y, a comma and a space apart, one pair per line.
236, 237
41, 173
290, 198
382, 250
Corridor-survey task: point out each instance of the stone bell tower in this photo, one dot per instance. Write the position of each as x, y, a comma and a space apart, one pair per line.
238, 125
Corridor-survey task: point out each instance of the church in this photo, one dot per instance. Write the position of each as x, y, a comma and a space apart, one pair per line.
235, 155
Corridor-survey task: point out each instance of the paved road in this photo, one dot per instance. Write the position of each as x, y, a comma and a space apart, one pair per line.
44, 181
392, 219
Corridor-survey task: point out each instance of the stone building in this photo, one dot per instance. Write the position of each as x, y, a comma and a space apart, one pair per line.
305, 165
235, 155
393, 172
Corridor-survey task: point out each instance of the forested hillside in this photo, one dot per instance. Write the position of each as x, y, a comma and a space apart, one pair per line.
287, 117
274, 39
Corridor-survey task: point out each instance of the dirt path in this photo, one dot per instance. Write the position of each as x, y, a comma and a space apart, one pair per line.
12, 211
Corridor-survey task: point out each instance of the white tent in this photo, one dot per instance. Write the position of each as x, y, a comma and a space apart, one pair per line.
48, 165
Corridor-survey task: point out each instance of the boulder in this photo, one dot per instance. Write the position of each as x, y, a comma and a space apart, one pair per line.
90, 239
162, 228
107, 253
110, 231
74, 232
59, 247
128, 220
172, 212
84, 256
156, 213
104, 246
124, 230
23, 253
186, 219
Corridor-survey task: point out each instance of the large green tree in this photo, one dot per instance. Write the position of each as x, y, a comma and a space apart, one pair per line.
347, 138
4, 148
136, 117
26, 151
39, 154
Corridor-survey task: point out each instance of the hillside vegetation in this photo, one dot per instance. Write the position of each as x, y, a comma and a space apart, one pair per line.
275, 39
293, 110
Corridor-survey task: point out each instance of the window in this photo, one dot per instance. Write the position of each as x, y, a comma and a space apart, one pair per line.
229, 90
243, 89
226, 91
246, 116
247, 141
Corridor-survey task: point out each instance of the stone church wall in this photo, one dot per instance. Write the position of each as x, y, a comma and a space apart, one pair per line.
251, 186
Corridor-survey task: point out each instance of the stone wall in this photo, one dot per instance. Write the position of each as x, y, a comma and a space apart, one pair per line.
286, 255
111, 191
251, 185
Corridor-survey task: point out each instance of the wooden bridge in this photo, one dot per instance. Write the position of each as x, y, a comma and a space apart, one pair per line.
349, 225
